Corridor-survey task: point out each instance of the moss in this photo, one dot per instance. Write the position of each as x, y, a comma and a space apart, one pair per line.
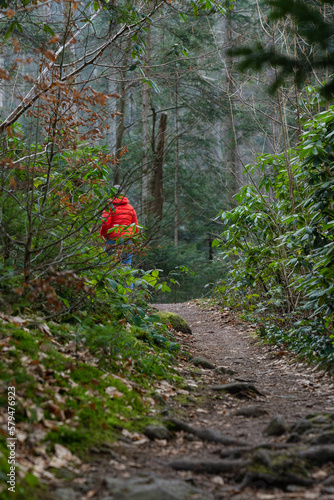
93, 417
85, 373
280, 465
175, 320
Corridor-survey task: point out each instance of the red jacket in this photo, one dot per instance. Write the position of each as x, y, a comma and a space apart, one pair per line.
122, 214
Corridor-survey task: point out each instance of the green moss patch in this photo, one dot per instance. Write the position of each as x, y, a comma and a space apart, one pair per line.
175, 320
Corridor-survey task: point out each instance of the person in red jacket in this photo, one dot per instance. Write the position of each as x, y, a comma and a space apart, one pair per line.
119, 224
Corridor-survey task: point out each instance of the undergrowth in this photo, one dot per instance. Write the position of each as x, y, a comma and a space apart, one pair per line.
78, 385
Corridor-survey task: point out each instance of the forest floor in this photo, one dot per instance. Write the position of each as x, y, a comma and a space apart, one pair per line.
220, 446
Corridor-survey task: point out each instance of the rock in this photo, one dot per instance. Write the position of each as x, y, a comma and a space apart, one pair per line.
239, 389
105, 449
148, 487
318, 455
64, 494
294, 438
301, 426
203, 362
175, 320
329, 481
276, 426
324, 438
221, 370
155, 431
190, 437
329, 490
251, 411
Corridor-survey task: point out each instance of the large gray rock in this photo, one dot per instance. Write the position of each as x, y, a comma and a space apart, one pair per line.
156, 431
147, 487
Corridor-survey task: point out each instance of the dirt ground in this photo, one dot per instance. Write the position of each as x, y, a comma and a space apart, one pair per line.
288, 390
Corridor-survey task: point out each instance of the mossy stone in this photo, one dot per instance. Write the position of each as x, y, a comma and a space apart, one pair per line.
175, 320
155, 431
302, 426
276, 426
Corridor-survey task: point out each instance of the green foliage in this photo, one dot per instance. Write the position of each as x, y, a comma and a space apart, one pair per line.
307, 20
306, 339
281, 258
187, 269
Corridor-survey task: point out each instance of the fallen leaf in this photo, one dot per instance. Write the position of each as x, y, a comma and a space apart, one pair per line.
91, 494
113, 392
44, 328
218, 480
21, 435
319, 474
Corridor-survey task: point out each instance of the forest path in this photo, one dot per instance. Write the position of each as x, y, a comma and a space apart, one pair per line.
217, 435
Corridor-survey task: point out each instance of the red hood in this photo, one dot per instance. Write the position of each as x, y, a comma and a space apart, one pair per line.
120, 201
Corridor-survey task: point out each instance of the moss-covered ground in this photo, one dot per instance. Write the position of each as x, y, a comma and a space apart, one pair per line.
76, 386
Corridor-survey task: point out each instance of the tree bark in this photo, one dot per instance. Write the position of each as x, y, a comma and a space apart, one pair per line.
230, 132
120, 117
176, 174
145, 133
156, 184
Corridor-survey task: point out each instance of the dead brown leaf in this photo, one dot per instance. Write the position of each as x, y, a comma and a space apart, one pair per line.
113, 392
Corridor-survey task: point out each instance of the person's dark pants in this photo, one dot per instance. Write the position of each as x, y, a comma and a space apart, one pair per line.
126, 255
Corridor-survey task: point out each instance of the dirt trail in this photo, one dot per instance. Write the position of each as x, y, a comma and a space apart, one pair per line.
211, 445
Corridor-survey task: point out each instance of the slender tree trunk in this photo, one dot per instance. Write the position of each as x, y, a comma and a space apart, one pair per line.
68, 22
2, 93
112, 89
230, 132
120, 117
156, 187
145, 132
176, 175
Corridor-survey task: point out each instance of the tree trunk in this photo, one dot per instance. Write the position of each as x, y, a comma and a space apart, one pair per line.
230, 132
176, 174
156, 184
145, 131
120, 117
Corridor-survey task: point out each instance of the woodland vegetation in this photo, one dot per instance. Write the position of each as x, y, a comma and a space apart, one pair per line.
216, 119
